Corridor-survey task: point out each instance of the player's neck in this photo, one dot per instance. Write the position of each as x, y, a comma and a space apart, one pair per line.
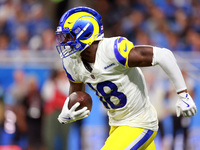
89, 54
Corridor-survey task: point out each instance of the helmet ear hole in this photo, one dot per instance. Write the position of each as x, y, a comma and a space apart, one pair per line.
87, 35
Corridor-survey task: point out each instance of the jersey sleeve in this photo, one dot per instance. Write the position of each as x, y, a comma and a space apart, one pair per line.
71, 75
122, 48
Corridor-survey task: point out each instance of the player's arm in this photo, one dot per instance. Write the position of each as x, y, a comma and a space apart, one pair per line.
143, 56
75, 87
70, 115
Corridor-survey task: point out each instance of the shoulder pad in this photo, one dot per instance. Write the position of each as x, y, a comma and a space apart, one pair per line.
122, 47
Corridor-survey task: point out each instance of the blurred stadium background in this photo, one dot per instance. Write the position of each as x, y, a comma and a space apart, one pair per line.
33, 84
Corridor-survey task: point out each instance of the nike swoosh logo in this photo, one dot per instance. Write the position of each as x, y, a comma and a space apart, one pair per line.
186, 103
125, 47
67, 118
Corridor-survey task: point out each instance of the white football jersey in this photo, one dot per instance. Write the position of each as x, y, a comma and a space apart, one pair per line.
121, 89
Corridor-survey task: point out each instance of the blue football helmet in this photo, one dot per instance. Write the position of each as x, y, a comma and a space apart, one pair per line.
78, 28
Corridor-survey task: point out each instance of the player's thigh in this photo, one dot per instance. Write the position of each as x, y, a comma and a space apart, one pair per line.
151, 146
126, 138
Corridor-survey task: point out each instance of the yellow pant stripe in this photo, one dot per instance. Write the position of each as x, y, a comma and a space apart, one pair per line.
129, 138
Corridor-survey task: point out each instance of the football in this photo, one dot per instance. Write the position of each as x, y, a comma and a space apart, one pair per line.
83, 98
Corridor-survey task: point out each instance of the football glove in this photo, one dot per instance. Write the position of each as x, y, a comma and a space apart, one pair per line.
185, 105
70, 115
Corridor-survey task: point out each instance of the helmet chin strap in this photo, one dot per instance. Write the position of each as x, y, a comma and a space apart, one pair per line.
100, 37
77, 54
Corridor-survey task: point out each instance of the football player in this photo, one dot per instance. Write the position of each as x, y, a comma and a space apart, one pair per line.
110, 67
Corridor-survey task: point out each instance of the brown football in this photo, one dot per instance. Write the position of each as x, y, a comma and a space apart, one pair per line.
83, 98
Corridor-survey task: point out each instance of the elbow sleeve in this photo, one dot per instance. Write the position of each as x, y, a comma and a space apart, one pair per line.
166, 60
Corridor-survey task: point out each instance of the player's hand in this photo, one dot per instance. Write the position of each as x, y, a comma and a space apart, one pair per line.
70, 115
185, 105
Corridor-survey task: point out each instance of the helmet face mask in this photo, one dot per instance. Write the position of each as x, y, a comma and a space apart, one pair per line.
78, 29
63, 38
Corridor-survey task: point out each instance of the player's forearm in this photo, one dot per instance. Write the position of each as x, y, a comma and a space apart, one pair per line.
183, 91
166, 60
76, 87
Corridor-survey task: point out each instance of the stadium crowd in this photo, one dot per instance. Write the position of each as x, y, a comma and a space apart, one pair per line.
174, 24
29, 25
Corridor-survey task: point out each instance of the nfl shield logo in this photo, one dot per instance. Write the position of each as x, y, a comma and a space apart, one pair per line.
92, 76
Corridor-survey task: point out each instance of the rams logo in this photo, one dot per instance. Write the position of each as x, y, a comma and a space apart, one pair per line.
122, 48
